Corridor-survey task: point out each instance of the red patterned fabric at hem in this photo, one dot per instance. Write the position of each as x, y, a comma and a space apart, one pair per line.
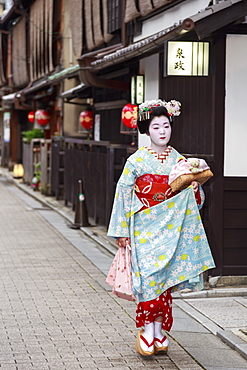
147, 312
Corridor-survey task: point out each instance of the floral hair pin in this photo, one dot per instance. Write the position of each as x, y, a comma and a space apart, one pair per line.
173, 108
146, 108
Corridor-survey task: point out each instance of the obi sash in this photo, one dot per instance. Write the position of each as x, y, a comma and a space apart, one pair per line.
153, 189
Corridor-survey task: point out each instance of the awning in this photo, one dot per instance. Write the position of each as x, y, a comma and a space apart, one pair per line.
9, 99
203, 24
36, 86
52, 79
139, 48
65, 73
80, 91
8, 14
217, 16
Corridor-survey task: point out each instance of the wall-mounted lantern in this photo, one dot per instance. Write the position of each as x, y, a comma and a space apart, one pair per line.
186, 58
137, 89
129, 115
129, 122
86, 119
42, 117
30, 116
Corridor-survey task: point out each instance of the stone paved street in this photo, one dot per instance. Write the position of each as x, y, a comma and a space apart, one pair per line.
55, 312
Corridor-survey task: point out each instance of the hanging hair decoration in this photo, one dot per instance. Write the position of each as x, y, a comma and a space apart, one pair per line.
146, 108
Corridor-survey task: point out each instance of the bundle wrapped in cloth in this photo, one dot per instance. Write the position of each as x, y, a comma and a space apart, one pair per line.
188, 170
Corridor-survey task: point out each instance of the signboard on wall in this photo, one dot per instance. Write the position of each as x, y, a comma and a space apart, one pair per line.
6, 127
97, 127
186, 58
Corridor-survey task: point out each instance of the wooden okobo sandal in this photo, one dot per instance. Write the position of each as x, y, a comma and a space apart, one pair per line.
161, 349
138, 345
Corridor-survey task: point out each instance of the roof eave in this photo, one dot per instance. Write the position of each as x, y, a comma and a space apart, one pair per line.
140, 48
204, 23
220, 17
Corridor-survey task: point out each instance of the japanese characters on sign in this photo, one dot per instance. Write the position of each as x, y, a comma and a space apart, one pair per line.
137, 89
186, 58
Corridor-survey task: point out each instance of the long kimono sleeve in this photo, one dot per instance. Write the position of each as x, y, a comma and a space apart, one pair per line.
122, 206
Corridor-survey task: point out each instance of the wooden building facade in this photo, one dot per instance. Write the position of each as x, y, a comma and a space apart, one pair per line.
201, 128
72, 61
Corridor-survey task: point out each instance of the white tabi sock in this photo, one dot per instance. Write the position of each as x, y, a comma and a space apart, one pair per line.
157, 330
148, 333
159, 335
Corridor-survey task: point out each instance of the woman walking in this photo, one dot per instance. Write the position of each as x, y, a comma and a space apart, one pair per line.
169, 248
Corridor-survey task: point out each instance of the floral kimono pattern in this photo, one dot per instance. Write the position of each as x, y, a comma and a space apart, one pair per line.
168, 241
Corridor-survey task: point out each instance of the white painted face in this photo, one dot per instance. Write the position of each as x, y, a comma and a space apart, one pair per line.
160, 133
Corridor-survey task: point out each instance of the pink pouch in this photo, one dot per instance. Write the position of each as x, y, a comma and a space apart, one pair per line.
120, 275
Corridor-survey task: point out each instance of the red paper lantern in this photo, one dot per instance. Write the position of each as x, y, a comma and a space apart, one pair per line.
30, 116
129, 115
86, 119
42, 117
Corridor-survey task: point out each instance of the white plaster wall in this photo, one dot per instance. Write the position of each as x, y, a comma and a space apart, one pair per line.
171, 16
235, 106
150, 68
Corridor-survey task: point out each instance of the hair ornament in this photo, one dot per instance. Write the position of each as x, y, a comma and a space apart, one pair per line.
146, 108
173, 108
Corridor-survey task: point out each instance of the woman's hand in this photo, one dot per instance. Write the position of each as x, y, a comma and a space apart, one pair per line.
195, 186
123, 242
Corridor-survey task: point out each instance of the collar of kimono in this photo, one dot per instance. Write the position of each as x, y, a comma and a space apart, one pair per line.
162, 156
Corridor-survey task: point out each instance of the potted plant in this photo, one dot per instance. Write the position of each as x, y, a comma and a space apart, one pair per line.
35, 133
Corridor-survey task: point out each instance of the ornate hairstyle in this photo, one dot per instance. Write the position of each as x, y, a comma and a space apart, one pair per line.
152, 108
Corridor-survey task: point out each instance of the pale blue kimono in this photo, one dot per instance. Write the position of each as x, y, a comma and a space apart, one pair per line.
169, 246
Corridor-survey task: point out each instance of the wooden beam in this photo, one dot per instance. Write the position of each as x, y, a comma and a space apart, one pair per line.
215, 21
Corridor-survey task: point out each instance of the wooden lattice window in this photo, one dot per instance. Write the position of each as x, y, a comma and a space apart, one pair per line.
114, 15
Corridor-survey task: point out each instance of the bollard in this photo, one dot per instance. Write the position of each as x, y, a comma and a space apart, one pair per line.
81, 217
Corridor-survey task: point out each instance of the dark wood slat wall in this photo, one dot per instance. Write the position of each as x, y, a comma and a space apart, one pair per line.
235, 226
199, 131
193, 130
110, 122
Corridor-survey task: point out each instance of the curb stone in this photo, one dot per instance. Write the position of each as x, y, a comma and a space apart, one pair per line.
233, 341
227, 336
213, 293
